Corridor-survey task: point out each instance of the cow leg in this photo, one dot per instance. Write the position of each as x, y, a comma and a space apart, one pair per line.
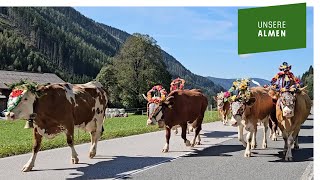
296, 142
175, 128
198, 129
289, 153
93, 148
279, 132
74, 155
247, 153
274, 132
95, 132
37, 138
240, 135
199, 140
253, 141
285, 139
168, 134
183, 134
224, 118
265, 130
270, 126
190, 127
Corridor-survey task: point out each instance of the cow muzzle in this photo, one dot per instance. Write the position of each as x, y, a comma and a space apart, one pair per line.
149, 122
234, 121
287, 112
9, 115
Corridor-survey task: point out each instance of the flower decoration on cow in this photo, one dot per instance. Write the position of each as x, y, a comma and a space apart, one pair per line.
239, 90
156, 94
19, 90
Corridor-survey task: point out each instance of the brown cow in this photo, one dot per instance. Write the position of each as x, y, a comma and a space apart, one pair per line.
292, 110
180, 108
248, 114
59, 108
223, 107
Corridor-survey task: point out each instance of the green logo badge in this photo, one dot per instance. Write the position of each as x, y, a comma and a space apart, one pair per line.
271, 28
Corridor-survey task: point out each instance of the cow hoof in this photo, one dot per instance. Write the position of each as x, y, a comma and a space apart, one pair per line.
253, 146
165, 150
198, 143
247, 154
92, 154
296, 147
188, 143
274, 139
264, 146
288, 158
27, 168
74, 160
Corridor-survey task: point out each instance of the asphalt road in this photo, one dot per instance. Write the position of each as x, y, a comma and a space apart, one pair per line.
140, 157
226, 161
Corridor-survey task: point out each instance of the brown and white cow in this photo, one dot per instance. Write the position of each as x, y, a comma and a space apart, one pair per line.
180, 108
59, 108
223, 107
292, 111
248, 114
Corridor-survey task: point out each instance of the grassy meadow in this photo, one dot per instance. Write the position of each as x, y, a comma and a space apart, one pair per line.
14, 139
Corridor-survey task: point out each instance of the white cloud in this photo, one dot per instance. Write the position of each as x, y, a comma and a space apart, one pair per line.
245, 55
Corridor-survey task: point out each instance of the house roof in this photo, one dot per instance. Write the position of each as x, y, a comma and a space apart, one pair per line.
9, 77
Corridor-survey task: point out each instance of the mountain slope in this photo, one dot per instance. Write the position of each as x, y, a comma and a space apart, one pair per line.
63, 41
226, 83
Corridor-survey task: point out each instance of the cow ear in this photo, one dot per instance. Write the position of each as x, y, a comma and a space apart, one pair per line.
215, 98
251, 101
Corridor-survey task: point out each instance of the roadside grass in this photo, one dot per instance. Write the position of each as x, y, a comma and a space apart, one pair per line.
14, 139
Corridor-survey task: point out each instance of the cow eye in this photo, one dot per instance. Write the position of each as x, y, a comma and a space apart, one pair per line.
25, 99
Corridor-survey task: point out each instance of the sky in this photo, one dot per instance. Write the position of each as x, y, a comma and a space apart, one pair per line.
204, 39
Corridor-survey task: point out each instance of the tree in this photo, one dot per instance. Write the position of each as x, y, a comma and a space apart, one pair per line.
307, 80
138, 66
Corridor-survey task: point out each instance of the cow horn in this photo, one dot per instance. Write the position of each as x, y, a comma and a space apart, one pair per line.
168, 98
144, 96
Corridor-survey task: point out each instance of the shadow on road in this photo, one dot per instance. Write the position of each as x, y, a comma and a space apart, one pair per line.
116, 166
217, 134
306, 127
305, 139
219, 150
299, 155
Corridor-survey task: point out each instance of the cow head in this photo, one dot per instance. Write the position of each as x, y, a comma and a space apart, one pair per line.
238, 109
287, 102
20, 102
155, 112
220, 100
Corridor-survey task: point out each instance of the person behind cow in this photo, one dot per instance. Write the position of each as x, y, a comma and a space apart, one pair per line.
285, 79
177, 84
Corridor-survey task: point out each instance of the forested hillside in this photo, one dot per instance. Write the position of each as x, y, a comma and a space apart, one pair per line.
63, 41
307, 80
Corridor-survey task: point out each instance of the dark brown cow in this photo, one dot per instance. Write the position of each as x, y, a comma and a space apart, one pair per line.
180, 108
293, 110
59, 108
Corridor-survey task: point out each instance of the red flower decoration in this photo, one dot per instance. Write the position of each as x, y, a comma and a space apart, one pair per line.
16, 93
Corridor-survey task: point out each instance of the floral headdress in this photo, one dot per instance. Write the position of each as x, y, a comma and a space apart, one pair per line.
241, 86
18, 90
